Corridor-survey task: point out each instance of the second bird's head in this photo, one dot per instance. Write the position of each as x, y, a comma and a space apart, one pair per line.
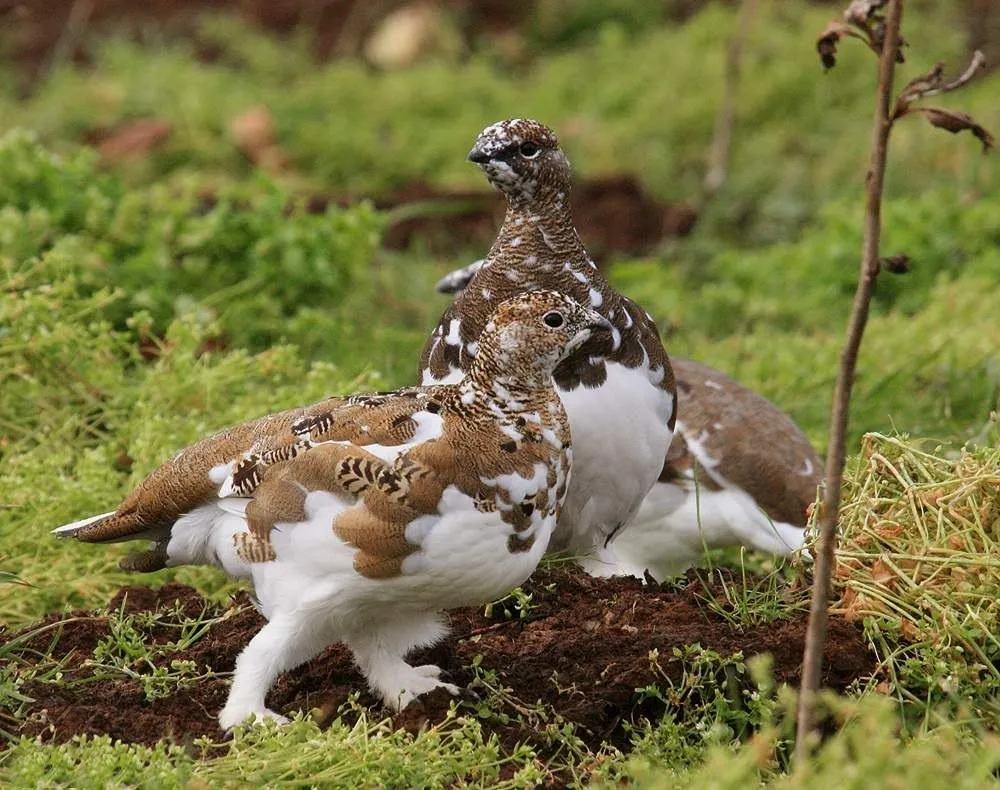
522, 159
538, 329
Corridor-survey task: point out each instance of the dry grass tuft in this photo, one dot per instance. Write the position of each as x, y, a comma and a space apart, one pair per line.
920, 546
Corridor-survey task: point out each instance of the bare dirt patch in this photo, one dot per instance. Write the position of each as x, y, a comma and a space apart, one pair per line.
583, 651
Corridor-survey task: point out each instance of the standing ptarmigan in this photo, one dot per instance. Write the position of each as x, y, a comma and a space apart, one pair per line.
619, 391
739, 472
383, 511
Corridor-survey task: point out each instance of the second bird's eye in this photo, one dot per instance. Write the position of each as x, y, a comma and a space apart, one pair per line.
553, 319
529, 150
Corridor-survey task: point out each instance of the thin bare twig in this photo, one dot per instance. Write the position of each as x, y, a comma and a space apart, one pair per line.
72, 33
718, 155
836, 453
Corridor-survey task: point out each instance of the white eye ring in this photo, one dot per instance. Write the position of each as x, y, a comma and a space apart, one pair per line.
529, 150
553, 319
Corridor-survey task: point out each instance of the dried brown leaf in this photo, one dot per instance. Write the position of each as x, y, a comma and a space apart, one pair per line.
254, 134
851, 605
933, 83
890, 531
133, 140
862, 12
924, 85
845, 569
930, 497
871, 35
955, 121
882, 573
864, 21
826, 43
895, 264
909, 629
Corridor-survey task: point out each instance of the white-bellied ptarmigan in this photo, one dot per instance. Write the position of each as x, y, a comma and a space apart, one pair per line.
739, 472
361, 523
618, 392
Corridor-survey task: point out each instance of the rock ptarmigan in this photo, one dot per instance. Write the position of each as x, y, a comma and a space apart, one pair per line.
385, 510
618, 392
739, 472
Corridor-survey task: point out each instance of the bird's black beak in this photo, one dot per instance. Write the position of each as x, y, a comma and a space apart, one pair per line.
602, 324
479, 156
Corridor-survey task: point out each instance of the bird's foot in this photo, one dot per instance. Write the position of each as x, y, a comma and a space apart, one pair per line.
416, 682
428, 671
230, 716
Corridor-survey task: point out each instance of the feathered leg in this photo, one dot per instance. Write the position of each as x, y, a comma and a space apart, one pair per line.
289, 639
379, 652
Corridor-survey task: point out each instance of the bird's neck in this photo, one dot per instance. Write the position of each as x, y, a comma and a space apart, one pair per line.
539, 227
507, 383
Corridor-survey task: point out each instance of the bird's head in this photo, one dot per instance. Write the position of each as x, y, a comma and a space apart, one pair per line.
522, 159
532, 333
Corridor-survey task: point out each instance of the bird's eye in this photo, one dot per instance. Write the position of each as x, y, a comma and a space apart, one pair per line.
529, 150
553, 319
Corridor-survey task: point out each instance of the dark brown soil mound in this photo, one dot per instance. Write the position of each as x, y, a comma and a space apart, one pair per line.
584, 650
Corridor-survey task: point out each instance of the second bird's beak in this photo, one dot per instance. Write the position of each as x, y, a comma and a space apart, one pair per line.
479, 156
599, 322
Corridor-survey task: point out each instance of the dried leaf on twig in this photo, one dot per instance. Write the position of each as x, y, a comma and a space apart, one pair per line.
865, 16
954, 121
933, 83
862, 12
826, 44
896, 264
863, 23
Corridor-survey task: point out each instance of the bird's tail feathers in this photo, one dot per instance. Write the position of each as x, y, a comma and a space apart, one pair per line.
70, 530
113, 527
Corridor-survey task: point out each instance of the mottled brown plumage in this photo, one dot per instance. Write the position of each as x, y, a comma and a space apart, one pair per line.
756, 446
278, 460
619, 391
183, 482
738, 472
375, 512
538, 247
473, 448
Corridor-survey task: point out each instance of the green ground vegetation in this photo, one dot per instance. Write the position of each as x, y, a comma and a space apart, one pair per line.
144, 305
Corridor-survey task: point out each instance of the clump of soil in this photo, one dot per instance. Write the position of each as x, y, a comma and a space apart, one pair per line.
583, 650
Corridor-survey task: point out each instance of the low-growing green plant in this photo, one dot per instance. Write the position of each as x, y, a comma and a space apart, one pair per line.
715, 696
498, 703
866, 749
129, 651
751, 599
629, 96
517, 603
251, 256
